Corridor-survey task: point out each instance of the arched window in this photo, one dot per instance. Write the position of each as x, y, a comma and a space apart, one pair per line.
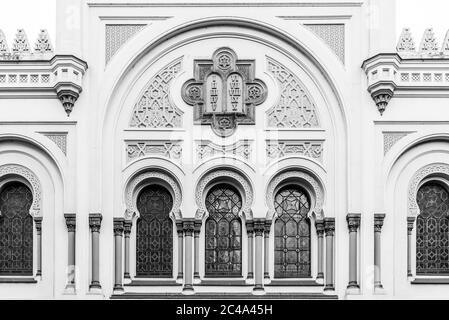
432, 235
154, 233
223, 233
16, 230
292, 234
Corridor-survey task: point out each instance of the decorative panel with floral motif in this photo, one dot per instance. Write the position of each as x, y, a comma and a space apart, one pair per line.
224, 92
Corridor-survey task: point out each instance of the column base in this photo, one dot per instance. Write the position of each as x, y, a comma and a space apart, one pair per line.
353, 290
250, 275
320, 279
258, 290
379, 290
70, 289
127, 281
188, 290
266, 276
119, 289
196, 280
329, 289
96, 291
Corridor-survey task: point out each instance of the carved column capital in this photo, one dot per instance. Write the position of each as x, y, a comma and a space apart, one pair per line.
267, 228
329, 226
250, 228
119, 226
198, 225
179, 228
353, 222
410, 224
95, 222
259, 227
70, 221
38, 223
378, 222
188, 226
319, 226
127, 227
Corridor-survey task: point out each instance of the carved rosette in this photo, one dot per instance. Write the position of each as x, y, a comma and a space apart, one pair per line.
95, 222
378, 222
353, 222
224, 92
70, 221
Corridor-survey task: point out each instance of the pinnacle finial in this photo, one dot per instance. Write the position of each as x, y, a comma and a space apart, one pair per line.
43, 43
21, 44
429, 43
406, 42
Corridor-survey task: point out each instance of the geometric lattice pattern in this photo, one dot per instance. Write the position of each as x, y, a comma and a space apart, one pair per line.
432, 237
16, 231
154, 253
333, 35
295, 108
223, 233
117, 35
154, 109
292, 234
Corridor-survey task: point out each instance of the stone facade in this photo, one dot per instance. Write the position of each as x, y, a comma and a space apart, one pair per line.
259, 96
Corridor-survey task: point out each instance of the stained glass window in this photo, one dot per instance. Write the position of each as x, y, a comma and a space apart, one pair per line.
292, 234
154, 233
16, 231
223, 233
432, 235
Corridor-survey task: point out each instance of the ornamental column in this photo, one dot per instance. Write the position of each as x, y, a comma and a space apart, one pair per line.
378, 224
250, 232
353, 226
259, 228
196, 274
329, 228
410, 226
189, 229
119, 225
95, 226
180, 230
267, 249
319, 226
127, 227
38, 224
70, 220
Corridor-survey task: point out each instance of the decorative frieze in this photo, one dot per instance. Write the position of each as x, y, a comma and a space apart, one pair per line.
21, 48
117, 35
280, 149
224, 92
207, 149
155, 109
391, 138
333, 35
428, 48
166, 149
295, 107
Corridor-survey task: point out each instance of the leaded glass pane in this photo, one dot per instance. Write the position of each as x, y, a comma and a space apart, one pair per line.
16, 231
223, 233
154, 233
432, 239
292, 234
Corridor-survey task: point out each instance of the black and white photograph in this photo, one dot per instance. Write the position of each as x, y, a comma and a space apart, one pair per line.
233, 152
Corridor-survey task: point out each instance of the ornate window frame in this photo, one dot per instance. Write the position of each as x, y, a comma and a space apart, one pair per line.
22, 174
438, 172
133, 188
17, 173
240, 182
315, 191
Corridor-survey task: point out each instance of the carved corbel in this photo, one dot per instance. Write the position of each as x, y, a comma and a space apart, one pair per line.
382, 97
68, 98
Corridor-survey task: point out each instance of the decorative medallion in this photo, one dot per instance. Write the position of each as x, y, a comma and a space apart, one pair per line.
224, 92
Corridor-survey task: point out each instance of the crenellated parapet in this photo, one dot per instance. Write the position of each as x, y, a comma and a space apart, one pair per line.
37, 72
411, 71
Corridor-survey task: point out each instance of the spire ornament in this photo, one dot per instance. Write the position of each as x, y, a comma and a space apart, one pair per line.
43, 44
429, 44
406, 42
21, 44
